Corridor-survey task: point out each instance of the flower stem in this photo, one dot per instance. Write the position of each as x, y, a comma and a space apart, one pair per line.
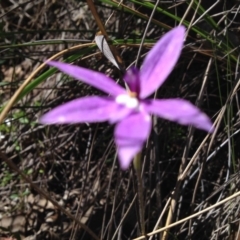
138, 168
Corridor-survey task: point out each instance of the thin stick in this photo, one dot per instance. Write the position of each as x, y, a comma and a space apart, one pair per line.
104, 32
189, 217
96, 16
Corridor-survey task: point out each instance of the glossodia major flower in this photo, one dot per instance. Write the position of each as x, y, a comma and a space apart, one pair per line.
130, 109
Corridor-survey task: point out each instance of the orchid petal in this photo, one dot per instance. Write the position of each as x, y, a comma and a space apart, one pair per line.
132, 79
130, 135
88, 109
160, 61
180, 111
95, 79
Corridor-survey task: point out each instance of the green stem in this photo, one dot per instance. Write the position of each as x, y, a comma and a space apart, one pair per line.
138, 168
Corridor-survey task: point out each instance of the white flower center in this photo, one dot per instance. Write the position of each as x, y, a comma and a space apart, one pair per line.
128, 101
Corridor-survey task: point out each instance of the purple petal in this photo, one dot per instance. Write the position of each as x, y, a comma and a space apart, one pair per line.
130, 135
95, 79
132, 79
88, 109
180, 111
160, 61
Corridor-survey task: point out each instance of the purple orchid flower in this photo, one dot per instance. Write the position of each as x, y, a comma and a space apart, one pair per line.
130, 109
